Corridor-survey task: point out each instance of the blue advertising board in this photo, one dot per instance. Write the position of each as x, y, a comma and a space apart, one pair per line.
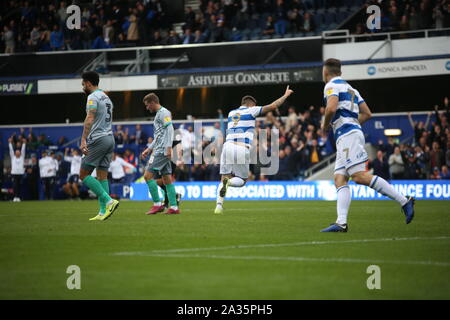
298, 190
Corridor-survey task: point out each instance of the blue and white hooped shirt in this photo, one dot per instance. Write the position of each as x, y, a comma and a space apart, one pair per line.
346, 118
241, 124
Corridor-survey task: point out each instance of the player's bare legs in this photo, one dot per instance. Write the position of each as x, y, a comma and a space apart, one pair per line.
385, 188
227, 180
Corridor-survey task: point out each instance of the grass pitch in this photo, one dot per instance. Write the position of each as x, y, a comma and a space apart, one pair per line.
256, 250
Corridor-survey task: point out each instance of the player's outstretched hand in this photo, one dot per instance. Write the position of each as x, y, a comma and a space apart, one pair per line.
288, 92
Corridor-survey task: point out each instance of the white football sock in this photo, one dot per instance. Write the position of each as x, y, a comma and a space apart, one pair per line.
382, 186
157, 204
344, 198
219, 201
237, 182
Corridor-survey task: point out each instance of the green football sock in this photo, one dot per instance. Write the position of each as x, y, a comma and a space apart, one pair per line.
97, 188
164, 192
153, 188
105, 186
172, 195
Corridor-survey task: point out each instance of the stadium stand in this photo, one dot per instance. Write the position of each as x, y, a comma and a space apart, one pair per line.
29, 26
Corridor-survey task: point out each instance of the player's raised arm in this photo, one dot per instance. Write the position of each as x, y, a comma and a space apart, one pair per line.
330, 110
364, 113
274, 105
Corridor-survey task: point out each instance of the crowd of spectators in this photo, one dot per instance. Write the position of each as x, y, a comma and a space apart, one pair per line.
427, 156
407, 15
31, 25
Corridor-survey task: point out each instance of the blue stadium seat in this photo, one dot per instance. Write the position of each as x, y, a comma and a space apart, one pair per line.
256, 31
349, 3
329, 17
341, 16
318, 18
309, 4
332, 26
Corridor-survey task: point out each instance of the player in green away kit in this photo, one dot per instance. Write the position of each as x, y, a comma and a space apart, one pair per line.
160, 159
97, 144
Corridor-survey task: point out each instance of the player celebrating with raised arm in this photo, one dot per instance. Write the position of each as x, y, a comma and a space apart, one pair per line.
97, 144
235, 157
159, 161
345, 112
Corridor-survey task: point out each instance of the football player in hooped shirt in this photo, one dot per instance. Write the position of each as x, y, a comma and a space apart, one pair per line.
345, 111
235, 157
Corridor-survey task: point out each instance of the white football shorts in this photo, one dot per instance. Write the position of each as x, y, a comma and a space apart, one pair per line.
351, 156
235, 159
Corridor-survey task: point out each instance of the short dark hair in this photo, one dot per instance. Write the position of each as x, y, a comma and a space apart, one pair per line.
151, 97
245, 99
333, 66
92, 77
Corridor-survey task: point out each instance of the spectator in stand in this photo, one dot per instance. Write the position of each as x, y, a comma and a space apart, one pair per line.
157, 40
419, 127
187, 37
116, 168
269, 27
130, 157
139, 137
308, 23
199, 37
436, 155
9, 39
314, 152
283, 169
32, 171
120, 135
396, 165
173, 38
380, 166
133, 31
56, 39
445, 173
71, 186
47, 168
280, 17
189, 18
17, 166
412, 169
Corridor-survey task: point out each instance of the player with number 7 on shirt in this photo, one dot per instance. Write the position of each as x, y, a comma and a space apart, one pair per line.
345, 111
97, 144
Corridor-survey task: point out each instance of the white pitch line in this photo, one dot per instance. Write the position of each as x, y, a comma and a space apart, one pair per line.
275, 245
270, 258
